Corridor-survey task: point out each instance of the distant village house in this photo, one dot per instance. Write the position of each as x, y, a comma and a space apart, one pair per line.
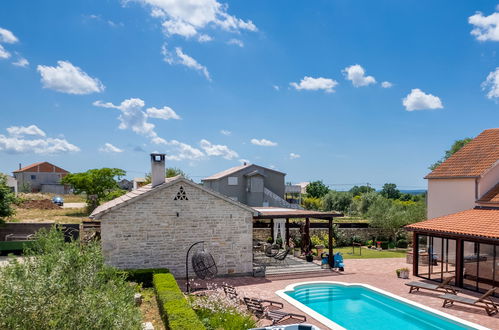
41, 177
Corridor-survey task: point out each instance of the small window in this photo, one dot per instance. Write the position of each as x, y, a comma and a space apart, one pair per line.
232, 180
33, 177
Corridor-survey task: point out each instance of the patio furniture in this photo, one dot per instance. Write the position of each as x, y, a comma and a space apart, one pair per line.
270, 253
281, 256
271, 311
441, 287
230, 291
484, 301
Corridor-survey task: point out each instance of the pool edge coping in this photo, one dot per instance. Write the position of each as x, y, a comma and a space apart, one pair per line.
332, 325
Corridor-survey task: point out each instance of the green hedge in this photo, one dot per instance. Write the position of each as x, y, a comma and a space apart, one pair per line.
176, 312
144, 276
15, 245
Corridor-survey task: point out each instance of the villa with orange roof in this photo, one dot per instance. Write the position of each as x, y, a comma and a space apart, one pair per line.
41, 177
461, 236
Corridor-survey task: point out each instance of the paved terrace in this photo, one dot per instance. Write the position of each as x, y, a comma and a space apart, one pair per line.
376, 272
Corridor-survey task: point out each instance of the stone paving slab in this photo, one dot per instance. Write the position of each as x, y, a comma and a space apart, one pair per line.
376, 272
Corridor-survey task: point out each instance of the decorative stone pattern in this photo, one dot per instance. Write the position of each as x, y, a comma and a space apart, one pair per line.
155, 231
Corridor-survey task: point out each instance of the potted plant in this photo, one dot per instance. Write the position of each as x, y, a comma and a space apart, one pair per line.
309, 256
402, 273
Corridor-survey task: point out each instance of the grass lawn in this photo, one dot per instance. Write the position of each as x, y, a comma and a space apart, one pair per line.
58, 216
68, 198
369, 254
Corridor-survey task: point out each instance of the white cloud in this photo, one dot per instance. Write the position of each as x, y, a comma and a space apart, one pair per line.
7, 36
244, 161
70, 79
263, 143
357, 75
16, 143
225, 132
294, 156
183, 151
485, 28
19, 131
134, 117
418, 100
187, 18
163, 113
181, 58
204, 38
217, 150
386, 84
21, 62
275, 87
313, 84
236, 42
108, 147
492, 84
4, 54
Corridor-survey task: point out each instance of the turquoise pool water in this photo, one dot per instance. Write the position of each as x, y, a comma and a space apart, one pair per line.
358, 307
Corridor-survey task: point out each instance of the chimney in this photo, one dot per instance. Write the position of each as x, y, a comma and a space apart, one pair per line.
157, 169
20, 166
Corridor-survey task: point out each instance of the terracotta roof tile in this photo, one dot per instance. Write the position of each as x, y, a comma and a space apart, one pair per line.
475, 222
474, 159
492, 196
42, 167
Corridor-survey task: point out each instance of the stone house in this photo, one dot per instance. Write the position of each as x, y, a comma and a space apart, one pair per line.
41, 177
252, 185
155, 225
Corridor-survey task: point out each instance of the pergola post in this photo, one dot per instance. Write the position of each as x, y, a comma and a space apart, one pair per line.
307, 233
272, 230
415, 254
330, 239
287, 232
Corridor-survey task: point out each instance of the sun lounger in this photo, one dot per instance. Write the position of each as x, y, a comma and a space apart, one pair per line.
230, 291
441, 287
271, 310
484, 301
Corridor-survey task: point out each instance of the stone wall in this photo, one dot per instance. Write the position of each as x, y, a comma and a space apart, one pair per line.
156, 231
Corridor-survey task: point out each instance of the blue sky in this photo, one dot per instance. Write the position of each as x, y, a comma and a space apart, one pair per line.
344, 91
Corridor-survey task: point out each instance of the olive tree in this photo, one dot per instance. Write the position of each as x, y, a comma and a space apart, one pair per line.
7, 199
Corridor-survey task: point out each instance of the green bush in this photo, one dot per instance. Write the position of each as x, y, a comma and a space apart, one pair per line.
176, 312
143, 276
311, 203
402, 243
229, 319
65, 286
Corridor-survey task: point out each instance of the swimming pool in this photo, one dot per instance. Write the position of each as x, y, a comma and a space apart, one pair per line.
360, 306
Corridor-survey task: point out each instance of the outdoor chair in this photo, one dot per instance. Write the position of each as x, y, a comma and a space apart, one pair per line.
230, 291
270, 253
441, 287
281, 256
484, 301
271, 310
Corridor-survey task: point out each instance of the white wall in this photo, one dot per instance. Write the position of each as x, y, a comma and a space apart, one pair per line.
489, 180
446, 196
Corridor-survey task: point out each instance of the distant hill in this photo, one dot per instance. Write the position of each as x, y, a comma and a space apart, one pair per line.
413, 192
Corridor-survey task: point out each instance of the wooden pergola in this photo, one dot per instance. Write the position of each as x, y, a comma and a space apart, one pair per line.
271, 213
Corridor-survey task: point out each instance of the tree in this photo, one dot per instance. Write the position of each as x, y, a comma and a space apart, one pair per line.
7, 199
170, 172
361, 204
95, 183
393, 215
458, 144
317, 189
390, 191
337, 201
359, 190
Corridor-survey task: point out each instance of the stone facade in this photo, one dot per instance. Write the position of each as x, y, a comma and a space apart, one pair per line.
156, 230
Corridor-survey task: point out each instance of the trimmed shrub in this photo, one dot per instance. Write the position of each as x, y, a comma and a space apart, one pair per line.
175, 311
402, 243
144, 276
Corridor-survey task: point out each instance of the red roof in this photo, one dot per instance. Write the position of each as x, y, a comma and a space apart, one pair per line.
474, 222
492, 196
42, 167
473, 160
